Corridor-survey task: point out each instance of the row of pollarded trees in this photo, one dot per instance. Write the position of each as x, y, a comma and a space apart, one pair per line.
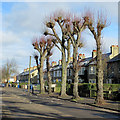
70, 28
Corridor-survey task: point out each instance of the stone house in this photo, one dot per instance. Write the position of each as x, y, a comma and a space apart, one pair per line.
114, 70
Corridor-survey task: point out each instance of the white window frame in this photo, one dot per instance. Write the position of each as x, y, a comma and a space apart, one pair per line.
70, 72
93, 71
81, 71
54, 73
59, 73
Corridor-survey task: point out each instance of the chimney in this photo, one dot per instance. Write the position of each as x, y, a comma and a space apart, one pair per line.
81, 56
27, 69
31, 68
114, 51
35, 67
94, 53
53, 63
60, 62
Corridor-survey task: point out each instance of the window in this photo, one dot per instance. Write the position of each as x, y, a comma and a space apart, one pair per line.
92, 80
59, 73
51, 74
119, 69
92, 70
70, 72
80, 80
54, 73
81, 72
112, 69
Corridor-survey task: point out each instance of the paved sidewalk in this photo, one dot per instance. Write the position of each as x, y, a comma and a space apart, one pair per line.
111, 105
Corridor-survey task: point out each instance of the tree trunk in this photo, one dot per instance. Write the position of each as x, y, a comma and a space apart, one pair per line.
99, 74
42, 89
48, 75
64, 74
75, 74
38, 68
49, 82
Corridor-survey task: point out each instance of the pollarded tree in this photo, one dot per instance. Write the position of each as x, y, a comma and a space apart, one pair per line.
64, 41
96, 30
49, 53
40, 44
74, 30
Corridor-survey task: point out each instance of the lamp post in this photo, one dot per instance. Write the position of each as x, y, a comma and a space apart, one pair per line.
29, 77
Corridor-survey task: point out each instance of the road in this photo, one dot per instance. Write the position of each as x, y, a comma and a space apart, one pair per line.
18, 105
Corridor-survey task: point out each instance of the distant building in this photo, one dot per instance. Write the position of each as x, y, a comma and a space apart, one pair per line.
24, 76
114, 70
12, 79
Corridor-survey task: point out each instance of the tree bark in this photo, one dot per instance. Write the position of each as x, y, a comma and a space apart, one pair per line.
42, 89
48, 75
64, 73
99, 74
75, 73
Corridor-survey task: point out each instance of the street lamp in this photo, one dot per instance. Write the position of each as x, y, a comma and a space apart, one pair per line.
29, 77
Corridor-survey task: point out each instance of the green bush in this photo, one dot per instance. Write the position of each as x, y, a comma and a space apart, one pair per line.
38, 87
24, 83
58, 84
89, 90
14, 84
57, 89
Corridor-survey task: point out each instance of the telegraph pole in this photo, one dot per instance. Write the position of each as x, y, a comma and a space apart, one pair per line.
29, 77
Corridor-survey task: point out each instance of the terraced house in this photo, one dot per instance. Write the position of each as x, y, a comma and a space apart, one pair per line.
87, 72
24, 76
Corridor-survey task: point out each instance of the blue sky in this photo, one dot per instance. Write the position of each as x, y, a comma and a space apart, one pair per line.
21, 21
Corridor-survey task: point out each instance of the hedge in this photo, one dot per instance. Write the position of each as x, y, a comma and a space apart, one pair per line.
111, 91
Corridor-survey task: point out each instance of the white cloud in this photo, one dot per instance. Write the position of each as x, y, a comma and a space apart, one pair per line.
23, 23
30, 18
9, 38
107, 42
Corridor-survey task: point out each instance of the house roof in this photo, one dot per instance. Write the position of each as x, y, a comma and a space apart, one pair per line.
115, 59
27, 72
92, 61
84, 62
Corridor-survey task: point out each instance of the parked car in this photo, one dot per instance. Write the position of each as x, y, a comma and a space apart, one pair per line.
2, 85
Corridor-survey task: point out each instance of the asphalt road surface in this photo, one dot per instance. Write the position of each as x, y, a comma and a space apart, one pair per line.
18, 105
